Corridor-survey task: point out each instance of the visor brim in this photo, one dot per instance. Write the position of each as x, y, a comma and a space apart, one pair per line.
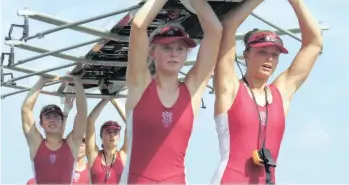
264, 44
167, 40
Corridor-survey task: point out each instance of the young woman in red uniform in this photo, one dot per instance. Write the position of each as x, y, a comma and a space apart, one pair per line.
249, 114
160, 109
53, 156
106, 165
81, 174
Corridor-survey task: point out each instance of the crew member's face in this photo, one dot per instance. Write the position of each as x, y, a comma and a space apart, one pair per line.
52, 123
262, 61
82, 149
170, 58
110, 137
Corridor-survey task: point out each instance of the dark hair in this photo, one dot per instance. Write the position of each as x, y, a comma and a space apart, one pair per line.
249, 34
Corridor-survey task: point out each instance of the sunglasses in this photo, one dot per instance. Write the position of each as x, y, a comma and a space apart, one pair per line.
265, 38
170, 31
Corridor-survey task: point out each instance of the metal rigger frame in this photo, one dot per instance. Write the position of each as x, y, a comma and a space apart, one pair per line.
77, 26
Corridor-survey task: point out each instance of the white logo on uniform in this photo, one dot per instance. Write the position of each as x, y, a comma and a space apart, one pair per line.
166, 118
76, 176
263, 116
53, 158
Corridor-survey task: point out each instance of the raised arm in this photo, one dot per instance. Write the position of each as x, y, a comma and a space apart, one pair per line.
291, 80
201, 72
80, 121
122, 114
91, 146
68, 105
119, 109
225, 80
138, 75
31, 133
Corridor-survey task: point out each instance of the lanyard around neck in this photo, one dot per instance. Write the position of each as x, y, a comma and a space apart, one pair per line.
260, 136
107, 173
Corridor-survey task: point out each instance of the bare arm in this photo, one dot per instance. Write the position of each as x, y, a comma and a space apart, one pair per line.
91, 146
225, 80
31, 133
201, 72
291, 80
123, 116
80, 121
138, 75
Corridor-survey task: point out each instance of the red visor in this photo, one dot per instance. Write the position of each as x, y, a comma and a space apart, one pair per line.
113, 127
266, 39
109, 125
170, 34
51, 108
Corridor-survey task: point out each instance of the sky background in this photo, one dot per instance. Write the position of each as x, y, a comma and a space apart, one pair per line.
315, 145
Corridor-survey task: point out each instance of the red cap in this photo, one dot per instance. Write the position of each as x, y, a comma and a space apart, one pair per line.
51, 108
170, 34
261, 39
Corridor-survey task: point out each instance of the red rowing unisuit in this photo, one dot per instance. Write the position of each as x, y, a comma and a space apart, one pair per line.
82, 177
53, 167
238, 137
78, 178
159, 138
99, 171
